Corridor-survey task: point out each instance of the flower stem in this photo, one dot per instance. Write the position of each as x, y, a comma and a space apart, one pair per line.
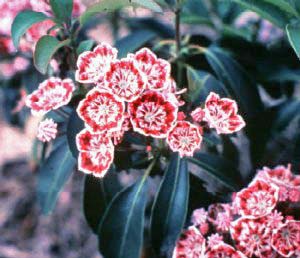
178, 42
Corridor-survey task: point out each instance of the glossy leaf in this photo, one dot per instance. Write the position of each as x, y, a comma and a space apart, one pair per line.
23, 21
98, 192
75, 125
218, 168
85, 45
53, 175
266, 10
44, 51
293, 32
284, 5
62, 9
285, 114
133, 41
110, 6
238, 83
170, 207
121, 229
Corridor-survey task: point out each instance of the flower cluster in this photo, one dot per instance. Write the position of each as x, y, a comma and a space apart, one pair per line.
258, 223
138, 92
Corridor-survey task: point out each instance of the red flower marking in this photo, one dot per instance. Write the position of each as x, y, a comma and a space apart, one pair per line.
184, 138
96, 153
124, 80
221, 114
93, 65
258, 200
51, 94
156, 70
101, 111
223, 250
152, 115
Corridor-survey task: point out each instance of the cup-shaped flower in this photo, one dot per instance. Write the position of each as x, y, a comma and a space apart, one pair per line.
190, 244
184, 138
221, 114
257, 200
51, 94
93, 65
152, 115
156, 70
124, 80
96, 153
101, 111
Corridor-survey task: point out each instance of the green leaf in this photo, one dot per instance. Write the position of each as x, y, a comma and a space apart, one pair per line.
53, 174
75, 125
45, 49
170, 207
133, 41
23, 21
293, 33
237, 82
285, 114
85, 45
284, 5
121, 229
218, 168
266, 10
62, 9
98, 192
110, 6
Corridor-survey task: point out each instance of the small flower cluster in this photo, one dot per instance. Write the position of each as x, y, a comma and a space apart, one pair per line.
138, 92
258, 223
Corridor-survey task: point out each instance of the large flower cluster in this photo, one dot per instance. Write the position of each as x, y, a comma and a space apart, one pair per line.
259, 223
138, 92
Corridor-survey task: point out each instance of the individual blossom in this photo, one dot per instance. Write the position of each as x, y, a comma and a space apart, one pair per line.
47, 130
221, 114
152, 115
286, 239
101, 111
252, 237
220, 215
274, 219
223, 250
124, 80
184, 138
198, 115
199, 219
93, 65
156, 70
214, 240
171, 93
51, 94
96, 153
257, 200
282, 177
190, 245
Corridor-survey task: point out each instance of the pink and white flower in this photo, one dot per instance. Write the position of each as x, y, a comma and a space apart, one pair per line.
124, 80
51, 94
221, 114
252, 237
190, 245
223, 250
152, 115
96, 153
156, 70
93, 65
184, 138
258, 200
286, 239
198, 115
101, 111
47, 130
